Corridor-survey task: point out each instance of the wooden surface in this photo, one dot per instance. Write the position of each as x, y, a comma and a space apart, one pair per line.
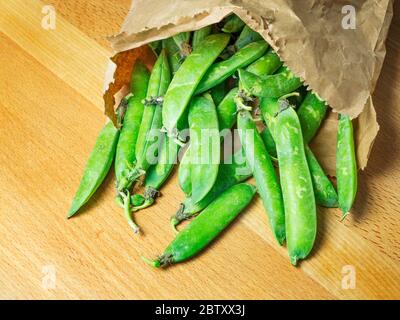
50, 113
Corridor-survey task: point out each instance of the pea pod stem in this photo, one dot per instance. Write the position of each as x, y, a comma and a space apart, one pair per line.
126, 198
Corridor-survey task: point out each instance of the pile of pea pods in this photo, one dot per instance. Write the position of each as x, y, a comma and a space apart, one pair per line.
218, 79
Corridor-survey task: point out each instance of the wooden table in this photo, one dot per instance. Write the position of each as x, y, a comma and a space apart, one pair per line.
50, 113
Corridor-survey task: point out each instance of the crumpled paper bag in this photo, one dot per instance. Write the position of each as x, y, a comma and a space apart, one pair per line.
311, 37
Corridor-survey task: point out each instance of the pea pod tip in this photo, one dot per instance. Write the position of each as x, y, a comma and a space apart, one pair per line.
152, 263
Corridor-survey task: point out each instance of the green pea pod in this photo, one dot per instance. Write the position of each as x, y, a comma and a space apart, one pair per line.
247, 36
266, 65
311, 113
97, 167
200, 35
173, 54
269, 142
226, 110
221, 71
218, 92
233, 24
263, 172
297, 187
184, 176
229, 174
207, 226
270, 86
346, 165
125, 154
152, 117
204, 146
182, 40
187, 78
325, 193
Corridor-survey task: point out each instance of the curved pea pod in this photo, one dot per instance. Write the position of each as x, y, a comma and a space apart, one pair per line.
229, 173
346, 165
152, 117
125, 154
274, 86
263, 172
207, 226
184, 177
269, 142
247, 36
200, 35
97, 167
311, 114
173, 54
226, 110
297, 187
182, 40
204, 146
325, 193
266, 65
187, 78
233, 24
221, 71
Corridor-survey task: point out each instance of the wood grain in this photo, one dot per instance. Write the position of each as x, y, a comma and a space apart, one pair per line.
50, 113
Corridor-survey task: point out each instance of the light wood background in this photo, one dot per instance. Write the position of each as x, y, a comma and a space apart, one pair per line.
50, 114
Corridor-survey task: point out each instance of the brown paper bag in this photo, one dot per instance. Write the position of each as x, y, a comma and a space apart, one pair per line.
336, 47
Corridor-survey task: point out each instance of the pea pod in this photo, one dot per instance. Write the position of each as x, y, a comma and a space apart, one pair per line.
173, 54
221, 71
207, 226
311, 113
151, 122
204, 148
182, 40
226, 110
233, 24
263, 172
346, 164
271, 86
125, 155
97, 167
266, 65
200, 35
269, 142
218, 92
247, 36
297, 187
187, 78
324, 191
229, 174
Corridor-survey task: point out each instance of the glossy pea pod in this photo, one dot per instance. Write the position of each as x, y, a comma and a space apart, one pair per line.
229, 173
325, 193
263, 172
221, 71
311, 114
269, 142
187, 78
125, 156
151, 122
247, 36
204, 146
97, 167
200, 35
226, 112
275, 86
297, 187
346, 164
233, 24
207, 226
266, 65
